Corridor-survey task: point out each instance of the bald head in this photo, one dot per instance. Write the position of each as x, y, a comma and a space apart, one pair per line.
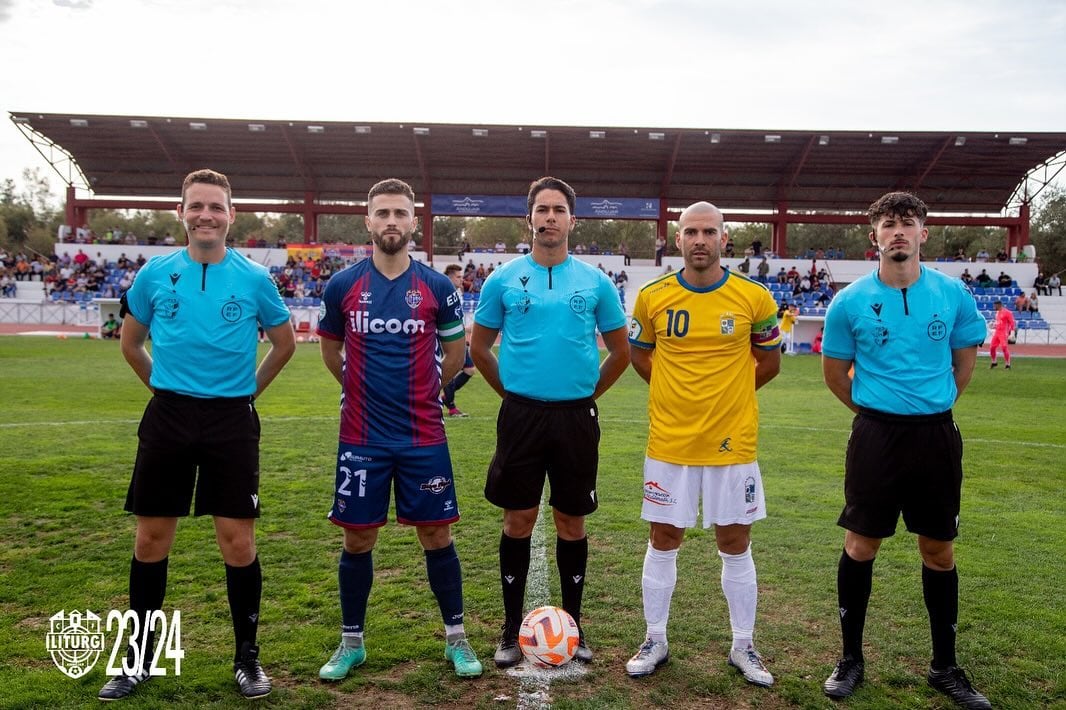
701, 209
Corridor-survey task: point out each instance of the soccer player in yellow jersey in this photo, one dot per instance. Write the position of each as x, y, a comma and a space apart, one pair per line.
704, 339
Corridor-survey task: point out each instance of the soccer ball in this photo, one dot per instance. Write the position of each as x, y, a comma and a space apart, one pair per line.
548, 636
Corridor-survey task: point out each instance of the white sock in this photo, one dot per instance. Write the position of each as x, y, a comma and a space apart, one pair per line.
352, 640
742, 595
658, 582
454, 631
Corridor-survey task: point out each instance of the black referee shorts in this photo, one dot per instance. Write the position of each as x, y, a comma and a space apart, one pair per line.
534, 439
908, 464
181, 435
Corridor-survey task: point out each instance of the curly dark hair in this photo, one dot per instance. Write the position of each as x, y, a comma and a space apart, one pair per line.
898, 204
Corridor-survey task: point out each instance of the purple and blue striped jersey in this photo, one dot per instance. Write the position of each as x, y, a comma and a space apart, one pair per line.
390, 329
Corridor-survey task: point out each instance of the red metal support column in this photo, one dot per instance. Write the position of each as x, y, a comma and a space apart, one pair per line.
71, 211
427, 232
779, 240
663, 223
310, 218
1023, 218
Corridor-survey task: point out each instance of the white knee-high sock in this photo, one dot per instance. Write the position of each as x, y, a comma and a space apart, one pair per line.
658, 582
742, 594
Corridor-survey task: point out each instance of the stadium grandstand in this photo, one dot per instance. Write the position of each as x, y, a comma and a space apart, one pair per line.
319, 168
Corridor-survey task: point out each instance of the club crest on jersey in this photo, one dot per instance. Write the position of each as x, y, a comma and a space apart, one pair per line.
413, 298
937, 329
168, 308
728, 324
231, 312
436, 485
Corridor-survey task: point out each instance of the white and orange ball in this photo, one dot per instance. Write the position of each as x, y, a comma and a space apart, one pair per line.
548, 636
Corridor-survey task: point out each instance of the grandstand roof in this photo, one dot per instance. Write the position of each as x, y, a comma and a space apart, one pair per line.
146, 156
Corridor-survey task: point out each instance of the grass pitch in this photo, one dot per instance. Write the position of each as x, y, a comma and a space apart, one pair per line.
68, 436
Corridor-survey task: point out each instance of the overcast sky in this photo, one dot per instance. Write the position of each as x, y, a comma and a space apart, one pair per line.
980, 65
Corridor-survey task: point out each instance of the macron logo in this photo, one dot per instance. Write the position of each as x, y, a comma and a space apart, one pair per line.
255, 500
508, 578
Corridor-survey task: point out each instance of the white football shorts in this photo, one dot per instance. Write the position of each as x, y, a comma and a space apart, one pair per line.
732, 495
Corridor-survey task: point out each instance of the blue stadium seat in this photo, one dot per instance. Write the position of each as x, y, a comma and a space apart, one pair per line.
290, 301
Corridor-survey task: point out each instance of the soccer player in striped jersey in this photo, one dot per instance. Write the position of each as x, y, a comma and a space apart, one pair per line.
704, 338
392, 331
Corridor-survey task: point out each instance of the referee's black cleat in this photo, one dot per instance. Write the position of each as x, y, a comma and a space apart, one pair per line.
842, 682
954, 683
507, 652
251, 678
122, 685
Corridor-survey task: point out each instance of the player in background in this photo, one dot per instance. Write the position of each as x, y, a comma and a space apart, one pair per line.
1003, 329
383, 322
548, 306
455, 273
705, 339
203, 305
911, 334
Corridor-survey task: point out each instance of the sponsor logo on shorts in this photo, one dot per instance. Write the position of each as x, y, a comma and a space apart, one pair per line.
635, 330
436, 485
654, 493
749, 491
341, 505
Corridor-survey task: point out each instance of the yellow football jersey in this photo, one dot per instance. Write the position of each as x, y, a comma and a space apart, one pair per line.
701, 401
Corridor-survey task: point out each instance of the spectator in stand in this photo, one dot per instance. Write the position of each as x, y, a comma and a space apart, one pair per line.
1021, 302
522, 247
660, 249
782, 277
1004, 280
1001, 256
500, 247
756, 247
984, 280
8, 287
1054, 283
982, 255
960, 255
110, 328
1034, 303
745, 266
1040, 284
594, 248
730, 248
966, 277
764, 269
624, 251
